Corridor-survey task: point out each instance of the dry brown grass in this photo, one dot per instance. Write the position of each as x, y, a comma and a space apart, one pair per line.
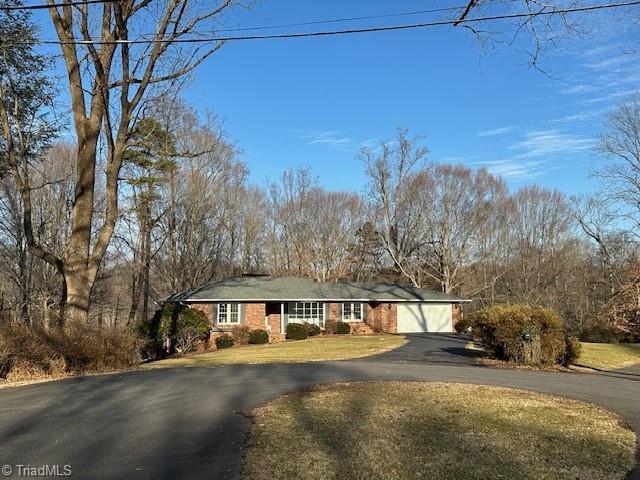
394, 430
28, 354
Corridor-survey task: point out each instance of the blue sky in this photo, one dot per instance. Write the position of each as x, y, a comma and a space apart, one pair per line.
314, 102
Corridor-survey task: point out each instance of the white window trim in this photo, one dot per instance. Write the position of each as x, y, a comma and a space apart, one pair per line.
292, 318
218, 322
348, 320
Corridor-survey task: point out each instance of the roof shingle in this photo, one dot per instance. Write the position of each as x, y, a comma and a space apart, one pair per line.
294, 288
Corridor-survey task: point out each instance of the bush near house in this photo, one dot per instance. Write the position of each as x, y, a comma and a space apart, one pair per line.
173, 327
296, 331
28, 353
224, 341
343, 328
240, 334
258, 337
521, 333
464, 325
313, 329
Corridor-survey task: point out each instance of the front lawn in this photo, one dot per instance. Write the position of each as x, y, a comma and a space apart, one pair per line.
608, 356
312, 350
395, 430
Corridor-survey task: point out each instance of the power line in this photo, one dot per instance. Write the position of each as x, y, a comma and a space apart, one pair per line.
55, 5
346, 19
437, 23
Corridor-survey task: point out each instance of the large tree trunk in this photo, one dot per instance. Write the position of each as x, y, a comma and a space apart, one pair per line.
79, 285
78, 274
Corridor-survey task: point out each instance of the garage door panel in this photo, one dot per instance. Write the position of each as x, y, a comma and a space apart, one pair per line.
424, 317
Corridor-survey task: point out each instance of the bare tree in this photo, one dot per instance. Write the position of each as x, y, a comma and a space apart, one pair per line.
38, 284
390, 169
620, 145
108, 80
311, 229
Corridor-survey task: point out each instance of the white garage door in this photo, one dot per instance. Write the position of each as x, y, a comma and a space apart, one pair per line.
424, 317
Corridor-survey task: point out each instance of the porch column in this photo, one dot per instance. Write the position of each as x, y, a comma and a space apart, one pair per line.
282, 318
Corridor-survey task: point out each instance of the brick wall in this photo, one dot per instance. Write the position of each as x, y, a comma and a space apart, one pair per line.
383, 317
254, 314
456, 313
333, 316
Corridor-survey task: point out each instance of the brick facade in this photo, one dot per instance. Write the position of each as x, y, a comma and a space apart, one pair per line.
254, 314
456, 314
380, 317
383, 317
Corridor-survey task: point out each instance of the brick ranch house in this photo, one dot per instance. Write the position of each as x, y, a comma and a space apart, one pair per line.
264, 302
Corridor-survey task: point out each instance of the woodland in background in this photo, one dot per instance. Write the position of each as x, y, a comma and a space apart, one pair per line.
152, 196
188, 215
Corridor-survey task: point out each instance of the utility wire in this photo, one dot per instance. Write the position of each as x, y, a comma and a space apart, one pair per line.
346, 19
559, 11
46, 6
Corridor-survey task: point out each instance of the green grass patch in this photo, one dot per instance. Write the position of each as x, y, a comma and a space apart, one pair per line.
396, 430
312, 350
609, 356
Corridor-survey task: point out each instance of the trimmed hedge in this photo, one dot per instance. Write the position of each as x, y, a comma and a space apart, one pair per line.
343, 328
258, 337
521, 333
296, 331
313, 329
224, 341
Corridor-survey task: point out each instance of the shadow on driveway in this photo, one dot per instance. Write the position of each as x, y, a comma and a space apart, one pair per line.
431, 348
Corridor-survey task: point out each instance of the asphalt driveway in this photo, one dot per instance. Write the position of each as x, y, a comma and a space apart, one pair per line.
430, 348
187, 423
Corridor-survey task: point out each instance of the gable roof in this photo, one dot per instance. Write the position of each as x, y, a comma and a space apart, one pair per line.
263, 288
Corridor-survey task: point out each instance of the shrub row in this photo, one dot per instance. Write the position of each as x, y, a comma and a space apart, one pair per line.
300, 331
31, 352
242, 337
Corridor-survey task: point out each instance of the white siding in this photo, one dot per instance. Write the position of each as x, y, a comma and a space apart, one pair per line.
424, 317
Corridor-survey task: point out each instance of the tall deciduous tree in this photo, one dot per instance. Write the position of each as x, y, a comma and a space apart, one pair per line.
108, 78
25, 130
392, 188
620, 145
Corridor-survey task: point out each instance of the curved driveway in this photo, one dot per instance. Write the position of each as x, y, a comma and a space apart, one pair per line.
187, 423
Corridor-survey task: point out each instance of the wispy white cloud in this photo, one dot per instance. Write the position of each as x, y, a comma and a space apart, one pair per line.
611, 96
581, 116
536, 153
329, 138
497, 131
515, 170
579, 89
550, 142
369, 143
609, 61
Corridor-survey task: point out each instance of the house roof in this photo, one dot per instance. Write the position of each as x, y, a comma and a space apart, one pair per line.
263, 288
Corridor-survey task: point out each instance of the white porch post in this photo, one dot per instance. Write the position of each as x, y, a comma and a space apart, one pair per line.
281, 318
